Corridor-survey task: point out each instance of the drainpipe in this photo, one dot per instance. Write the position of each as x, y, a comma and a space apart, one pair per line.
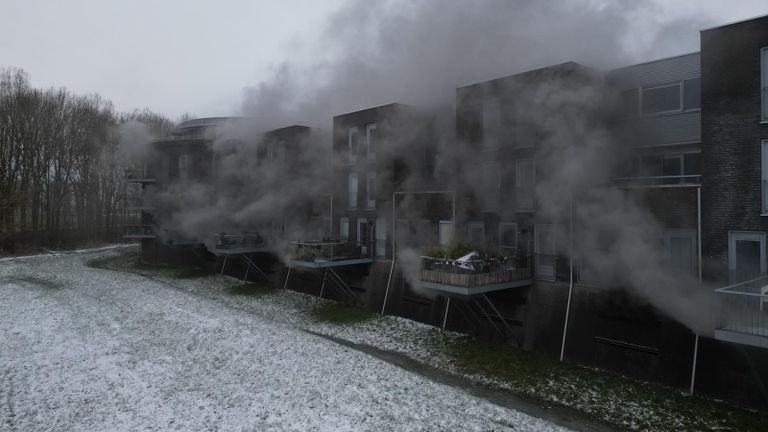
394, 230
698, 246
570, 284
392, 267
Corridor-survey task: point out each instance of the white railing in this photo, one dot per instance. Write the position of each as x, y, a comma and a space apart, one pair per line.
247, 240
744, 307
475, 273
690, 179
332, 250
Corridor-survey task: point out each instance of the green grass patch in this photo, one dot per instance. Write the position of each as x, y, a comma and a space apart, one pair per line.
341, 314
618, 400
130, 263
251, 289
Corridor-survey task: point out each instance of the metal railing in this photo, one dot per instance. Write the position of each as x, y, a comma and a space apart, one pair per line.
246, 240
178, 237
137, 176
475, 273
744, 307
139, 231
332, 250
691, 179
137, 203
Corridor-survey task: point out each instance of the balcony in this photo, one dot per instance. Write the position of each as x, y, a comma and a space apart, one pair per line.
137, 176
178, 238
470, 275
137, 204
139, 232
239, 244
744, 313
331, 253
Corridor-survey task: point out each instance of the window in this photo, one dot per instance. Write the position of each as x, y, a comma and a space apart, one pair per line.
764, 176
681, 250
686, 166
352, 145
370, 139
184, 166
381, 237
166, 166
491, 182
507, 236
445, 232
476, 234
370, 190
352, 189
364, 236
491, 124
671, 166
746, 255
525, 183
592, 252
544, 249
404, 237
692, 94
629, 103
692, 164
661, 99
764, 80
426, 234
344, 229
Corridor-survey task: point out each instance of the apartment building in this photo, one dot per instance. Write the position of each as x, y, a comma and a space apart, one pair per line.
686, 140
734, 92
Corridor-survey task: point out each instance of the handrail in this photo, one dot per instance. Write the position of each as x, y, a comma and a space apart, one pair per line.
728, 289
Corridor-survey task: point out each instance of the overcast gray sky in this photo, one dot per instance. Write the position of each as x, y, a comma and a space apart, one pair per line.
197, 56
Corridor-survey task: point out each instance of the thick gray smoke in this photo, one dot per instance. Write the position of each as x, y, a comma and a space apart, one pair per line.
375, 53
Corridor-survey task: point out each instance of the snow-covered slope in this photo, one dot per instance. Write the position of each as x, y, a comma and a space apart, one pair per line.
88, 349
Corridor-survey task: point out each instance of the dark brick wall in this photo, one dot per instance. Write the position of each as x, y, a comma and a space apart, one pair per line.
731, 136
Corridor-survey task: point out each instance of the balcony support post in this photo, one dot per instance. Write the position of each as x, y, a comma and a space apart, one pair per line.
445, 317
570, 283
322, 287
224, 264
698, 247
285, 285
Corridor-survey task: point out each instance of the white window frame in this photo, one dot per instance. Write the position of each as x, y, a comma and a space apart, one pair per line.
735, 236
381, 237
491, 123
679, 108
476, 224
344, 229
518, 178
352, 145
362, 224
184, 165
352, 190
544, 272
503, 225
764, 177
688, 234
370, 190
764, 84
449, 234
370, 152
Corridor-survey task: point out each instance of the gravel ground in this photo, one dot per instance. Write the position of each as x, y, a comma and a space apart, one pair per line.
89, 349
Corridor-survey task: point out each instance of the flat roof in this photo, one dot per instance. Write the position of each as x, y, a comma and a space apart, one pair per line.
735, 22
655, 61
